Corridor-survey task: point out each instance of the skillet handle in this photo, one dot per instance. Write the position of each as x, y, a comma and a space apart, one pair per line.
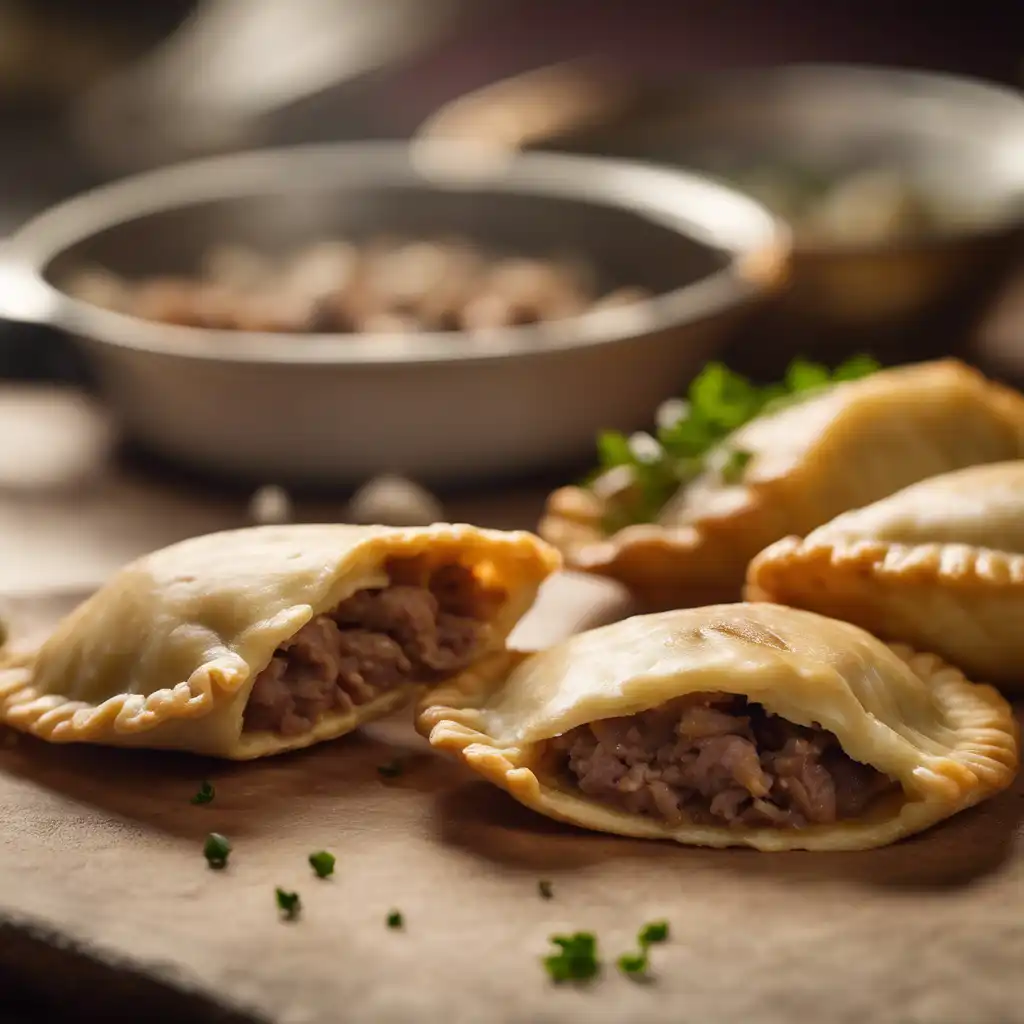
23, 297
32, 346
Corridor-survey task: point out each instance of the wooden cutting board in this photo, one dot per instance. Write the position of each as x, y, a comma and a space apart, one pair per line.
109, 911
108, 903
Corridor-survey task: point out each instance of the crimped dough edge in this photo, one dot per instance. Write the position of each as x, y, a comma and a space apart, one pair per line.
855, 579
982, 762
663, 566
963, 565
129, 719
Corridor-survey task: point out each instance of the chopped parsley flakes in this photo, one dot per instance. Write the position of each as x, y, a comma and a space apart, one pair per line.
288, 903
322, 863
734, 465
204, 794
545, 889
576, 959
690, 432
216, 850
656, 931
635, 965
395, 920
390, 770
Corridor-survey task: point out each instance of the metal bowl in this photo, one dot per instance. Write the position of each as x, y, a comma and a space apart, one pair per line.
333, 409
909, 298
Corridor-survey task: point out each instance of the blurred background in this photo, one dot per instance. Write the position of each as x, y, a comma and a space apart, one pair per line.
897, 200
521, 222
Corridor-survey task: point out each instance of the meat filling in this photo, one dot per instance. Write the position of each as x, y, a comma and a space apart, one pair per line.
370, 643
717, 759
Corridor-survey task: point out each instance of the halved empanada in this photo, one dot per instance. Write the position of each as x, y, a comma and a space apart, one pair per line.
841, 448
734, 725
252, 642
939, 565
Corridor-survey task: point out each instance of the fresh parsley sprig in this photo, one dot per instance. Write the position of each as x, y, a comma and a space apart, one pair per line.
635, 965
289, 903
216, 850
717, 404
576, 959
322, 862
656, 931
204, 794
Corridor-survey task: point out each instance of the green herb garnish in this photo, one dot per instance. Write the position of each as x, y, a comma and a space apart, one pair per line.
635, 964
205, 794
545, 889
735, 463
395, 920
854, 368
802, 375
216, 850
656, 931
391, 770
288, 903
322, 863
576, 959
718, 403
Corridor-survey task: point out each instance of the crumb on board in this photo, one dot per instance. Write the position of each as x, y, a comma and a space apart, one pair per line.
392, 500
270, 506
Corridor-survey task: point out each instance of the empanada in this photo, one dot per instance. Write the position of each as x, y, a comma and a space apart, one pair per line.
801, 465
252, 642
939, 565
732, 725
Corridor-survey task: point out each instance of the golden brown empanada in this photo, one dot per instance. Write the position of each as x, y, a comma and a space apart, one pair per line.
733, 725
252, 642
939, 565
841, 448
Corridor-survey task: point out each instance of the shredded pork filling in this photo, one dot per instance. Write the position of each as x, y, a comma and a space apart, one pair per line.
371, 642
717, 759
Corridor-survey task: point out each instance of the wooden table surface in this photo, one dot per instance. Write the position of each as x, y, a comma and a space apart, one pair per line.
107, 910
73, 508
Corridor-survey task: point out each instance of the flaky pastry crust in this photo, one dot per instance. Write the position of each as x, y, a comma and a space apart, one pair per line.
949, 743
166, 653
853, 444
939, 565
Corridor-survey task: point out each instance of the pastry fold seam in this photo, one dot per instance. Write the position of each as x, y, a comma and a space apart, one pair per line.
915, 564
